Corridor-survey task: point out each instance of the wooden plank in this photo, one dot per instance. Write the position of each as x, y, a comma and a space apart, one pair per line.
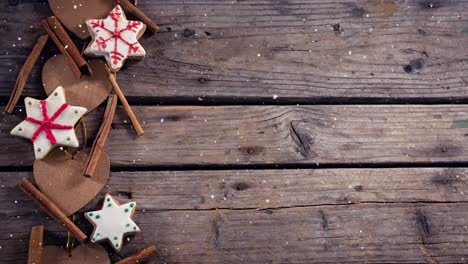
260, 189
289, 50
396, 215
383, 233
240, 135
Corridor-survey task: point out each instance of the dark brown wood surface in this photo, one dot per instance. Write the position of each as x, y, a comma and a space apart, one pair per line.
304, 50
235, 96
243, 135
276, 216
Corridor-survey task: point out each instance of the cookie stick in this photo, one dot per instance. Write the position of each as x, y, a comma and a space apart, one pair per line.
124, 102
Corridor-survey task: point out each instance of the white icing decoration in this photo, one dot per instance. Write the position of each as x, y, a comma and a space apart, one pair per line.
68, 117
115, 38
113, 222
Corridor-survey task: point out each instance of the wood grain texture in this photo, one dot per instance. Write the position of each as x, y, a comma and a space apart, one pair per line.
312, 216
240, 135
289, 51
262, 189
294, 49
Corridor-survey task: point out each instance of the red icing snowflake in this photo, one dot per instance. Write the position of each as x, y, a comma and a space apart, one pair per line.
115, 38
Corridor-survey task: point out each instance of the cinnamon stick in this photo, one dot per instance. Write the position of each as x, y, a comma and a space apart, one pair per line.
124, 102
51, 209
101, 137
127, 5
63, 41
67, 42
141, 256
35, 245
24, 73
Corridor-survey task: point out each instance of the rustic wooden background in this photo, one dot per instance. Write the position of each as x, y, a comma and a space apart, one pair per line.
277, 131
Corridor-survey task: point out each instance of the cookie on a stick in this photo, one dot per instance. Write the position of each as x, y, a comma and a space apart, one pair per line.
115, 38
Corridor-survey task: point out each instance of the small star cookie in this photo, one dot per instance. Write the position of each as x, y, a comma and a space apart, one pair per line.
113, 222
49, 123
115, 38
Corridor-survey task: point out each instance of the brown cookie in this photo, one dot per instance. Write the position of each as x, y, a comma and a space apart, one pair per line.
88, 91
84, 253
73, 14
61, 179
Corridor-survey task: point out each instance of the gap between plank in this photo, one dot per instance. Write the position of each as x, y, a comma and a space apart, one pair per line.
301, 206
291, 166
265, 101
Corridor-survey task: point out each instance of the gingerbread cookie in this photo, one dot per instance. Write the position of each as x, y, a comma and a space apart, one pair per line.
115, 38
49, 123
73, 14
84, 253
113, 221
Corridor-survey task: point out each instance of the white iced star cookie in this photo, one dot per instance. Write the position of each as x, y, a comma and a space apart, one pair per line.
49, 123
115, 38
113, 222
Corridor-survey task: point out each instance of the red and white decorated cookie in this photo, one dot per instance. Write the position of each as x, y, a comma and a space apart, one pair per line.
49, 123
115, 38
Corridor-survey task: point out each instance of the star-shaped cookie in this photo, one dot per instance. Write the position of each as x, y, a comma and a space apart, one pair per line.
115, 38
113, 222
49, 123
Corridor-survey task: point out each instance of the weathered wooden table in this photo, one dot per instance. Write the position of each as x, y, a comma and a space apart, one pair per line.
282, 131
